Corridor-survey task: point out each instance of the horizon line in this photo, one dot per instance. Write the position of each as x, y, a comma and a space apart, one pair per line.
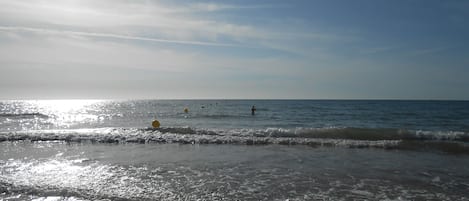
234, 99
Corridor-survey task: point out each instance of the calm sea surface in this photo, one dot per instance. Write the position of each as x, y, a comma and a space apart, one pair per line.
218, 150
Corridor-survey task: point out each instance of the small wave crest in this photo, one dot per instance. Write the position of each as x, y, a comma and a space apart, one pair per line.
365, 134
370, 134
454, 142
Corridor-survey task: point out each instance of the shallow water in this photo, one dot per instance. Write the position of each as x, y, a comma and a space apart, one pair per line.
227, 172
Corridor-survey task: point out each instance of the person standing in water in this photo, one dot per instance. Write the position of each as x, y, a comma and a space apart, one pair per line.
253, 110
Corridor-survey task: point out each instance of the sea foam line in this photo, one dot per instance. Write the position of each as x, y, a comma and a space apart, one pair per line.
186, 137
238, 137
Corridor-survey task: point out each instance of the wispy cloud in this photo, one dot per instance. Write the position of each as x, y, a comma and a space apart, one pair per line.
154, 16
376, 50
114, 36
426, 51
154, 21
210, 7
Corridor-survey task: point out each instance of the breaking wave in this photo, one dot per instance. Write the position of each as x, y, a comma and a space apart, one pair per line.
451, 141
370, 134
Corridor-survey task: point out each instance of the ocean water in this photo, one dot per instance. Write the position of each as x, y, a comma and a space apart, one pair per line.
218, 150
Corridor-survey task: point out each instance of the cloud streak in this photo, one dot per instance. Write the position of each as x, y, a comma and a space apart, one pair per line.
213, 7
190, 24
166, 20
114, 36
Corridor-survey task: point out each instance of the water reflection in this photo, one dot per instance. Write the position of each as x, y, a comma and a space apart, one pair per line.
66, 113
56, 173
48, 114
174, 172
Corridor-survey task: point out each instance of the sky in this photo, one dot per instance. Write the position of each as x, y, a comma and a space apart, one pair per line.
244, 49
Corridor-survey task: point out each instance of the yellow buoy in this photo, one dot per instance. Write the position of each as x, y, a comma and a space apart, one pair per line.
155, 124
186, 110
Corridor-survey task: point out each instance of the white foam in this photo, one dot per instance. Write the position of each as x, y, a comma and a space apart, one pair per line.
187, 135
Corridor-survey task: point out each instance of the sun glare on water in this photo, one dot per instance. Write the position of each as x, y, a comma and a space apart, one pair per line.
65, 113
64, 106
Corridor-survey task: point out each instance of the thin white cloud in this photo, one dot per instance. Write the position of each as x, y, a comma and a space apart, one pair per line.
377, 50
164, 23
115, 36
426, 51
81, 51
125, 16
211, 7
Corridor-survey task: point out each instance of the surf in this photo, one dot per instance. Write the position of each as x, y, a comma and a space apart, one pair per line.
449, 141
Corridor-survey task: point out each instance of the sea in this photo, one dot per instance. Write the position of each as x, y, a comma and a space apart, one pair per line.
219, 150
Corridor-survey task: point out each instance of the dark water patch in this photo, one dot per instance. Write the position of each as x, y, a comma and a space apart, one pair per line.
179, 130
215, 116
23, 192
24, 115
342, 133
443, 146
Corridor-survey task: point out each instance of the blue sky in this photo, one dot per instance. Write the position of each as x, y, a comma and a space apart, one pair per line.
234, 49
